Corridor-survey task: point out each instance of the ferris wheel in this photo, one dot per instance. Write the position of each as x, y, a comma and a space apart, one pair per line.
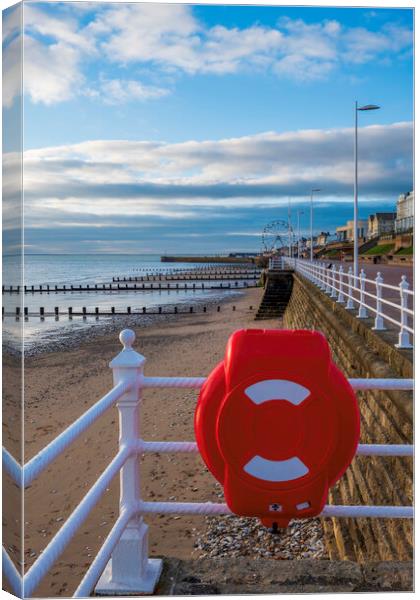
277, 235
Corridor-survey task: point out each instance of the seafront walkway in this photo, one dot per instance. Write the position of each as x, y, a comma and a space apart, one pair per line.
391, 273
383, 292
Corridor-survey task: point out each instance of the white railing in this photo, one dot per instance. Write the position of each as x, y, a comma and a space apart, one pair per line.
364, 295
122, 564
275, 263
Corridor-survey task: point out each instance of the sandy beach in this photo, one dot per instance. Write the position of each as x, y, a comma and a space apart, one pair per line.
61, 385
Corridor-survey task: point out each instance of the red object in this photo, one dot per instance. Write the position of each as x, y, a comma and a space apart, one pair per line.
277, 424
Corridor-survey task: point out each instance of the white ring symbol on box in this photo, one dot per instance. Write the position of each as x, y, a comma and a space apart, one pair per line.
276, 470
277, 389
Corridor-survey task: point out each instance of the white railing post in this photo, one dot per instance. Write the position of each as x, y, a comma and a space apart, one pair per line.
350, 303
328, 273
333, 290
129, 569
404, 336
379, 321
327, 286
362, 314
311, 270
319, 276
340, 298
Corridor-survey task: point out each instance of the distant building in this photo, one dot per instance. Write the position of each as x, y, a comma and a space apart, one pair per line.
322, 238
345, 232
405, 212
381, 223
308, 242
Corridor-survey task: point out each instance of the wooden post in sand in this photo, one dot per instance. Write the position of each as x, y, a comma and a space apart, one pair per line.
130, 570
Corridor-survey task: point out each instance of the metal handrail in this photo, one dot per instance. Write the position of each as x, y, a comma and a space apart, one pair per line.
45, 457
332, 282
62, 538
218, 508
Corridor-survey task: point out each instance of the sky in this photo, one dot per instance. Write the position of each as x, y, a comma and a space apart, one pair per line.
152, 128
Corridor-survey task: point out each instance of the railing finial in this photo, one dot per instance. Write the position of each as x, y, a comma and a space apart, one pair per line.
128, 357
127, 337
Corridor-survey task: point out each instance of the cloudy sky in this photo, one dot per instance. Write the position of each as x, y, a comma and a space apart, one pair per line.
152, 128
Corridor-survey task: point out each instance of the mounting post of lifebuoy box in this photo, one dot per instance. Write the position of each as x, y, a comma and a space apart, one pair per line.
130, 571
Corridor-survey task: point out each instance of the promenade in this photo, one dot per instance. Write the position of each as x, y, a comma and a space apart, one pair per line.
391, 275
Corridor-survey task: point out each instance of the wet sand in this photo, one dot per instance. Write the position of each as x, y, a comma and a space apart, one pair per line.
61, 385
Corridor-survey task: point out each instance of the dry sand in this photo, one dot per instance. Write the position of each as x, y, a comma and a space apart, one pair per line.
60, 386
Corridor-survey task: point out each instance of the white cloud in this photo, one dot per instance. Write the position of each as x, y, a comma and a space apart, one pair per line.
361, 45
168, 34
12, 72
119, 91
51, 73
65, 30
171, 40
170, 37
125, 180
113, 193
11, 22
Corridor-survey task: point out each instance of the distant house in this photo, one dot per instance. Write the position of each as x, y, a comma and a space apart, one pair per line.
345, 232
405, 212
322, 238
381, 223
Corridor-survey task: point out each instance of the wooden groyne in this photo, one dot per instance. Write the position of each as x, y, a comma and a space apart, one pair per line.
190, 277
112, 312
134, 287
208, 259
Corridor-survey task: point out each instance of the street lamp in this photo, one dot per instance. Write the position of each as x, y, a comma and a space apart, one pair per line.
299, 212
356, 191
312, 220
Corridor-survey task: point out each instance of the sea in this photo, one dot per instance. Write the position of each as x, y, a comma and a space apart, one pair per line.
79, 269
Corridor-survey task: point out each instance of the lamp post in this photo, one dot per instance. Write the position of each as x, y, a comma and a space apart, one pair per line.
299, 212
312, 220
356, 190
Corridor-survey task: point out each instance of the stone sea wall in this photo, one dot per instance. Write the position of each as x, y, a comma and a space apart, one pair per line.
386, 417
212, 576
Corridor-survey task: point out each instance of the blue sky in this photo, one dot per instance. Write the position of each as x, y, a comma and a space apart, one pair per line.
187, 128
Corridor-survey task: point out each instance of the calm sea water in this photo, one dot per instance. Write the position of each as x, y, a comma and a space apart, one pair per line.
86, 269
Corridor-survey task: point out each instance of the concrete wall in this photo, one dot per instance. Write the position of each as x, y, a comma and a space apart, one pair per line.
386, 417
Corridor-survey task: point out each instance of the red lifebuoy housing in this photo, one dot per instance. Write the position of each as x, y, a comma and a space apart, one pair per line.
277, 424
